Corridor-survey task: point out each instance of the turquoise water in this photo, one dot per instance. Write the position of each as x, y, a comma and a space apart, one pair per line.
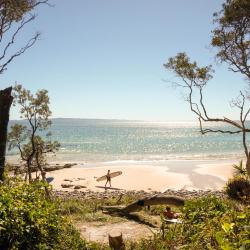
108, 140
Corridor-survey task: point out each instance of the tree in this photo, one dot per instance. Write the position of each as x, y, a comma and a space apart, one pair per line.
232, 39
14, 16
32, 147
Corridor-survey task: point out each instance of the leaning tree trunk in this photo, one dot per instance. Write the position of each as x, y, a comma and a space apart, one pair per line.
5, 104
155, 200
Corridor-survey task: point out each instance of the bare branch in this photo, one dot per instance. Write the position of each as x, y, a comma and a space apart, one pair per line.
246, 114
29, 44
204, 131
23, 23
13, 13
208, 130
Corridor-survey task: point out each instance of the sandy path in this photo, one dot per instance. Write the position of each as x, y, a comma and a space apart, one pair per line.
130, 231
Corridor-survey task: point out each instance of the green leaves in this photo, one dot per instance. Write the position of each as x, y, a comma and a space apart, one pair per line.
13, 10
212, 223
29, 221
221, 242
228, 228
33, 148
231, 36
245, 244
189, 71
240, 169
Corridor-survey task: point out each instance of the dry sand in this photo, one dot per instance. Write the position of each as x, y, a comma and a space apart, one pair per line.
148, 176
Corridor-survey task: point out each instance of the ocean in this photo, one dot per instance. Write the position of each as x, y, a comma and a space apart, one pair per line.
94, 140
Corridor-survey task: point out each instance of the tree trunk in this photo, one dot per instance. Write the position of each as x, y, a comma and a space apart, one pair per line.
5, 104
248, 165
29, 170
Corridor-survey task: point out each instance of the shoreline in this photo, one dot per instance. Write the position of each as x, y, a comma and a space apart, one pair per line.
149, 176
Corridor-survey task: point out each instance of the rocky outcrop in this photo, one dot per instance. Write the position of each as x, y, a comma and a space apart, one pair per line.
58, 167
19, 169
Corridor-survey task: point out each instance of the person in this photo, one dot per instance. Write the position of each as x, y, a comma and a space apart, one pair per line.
169, 214
108, 179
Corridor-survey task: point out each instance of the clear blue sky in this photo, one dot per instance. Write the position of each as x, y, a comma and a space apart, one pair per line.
104, 59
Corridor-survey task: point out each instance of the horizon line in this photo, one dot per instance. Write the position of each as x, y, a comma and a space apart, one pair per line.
116, 119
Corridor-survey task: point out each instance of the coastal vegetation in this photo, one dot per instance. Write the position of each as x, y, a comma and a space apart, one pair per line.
33, 148
14, 17
28, 219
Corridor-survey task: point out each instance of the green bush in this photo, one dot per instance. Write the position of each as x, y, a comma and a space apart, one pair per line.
238, 187
30, 221
207, 223
214, 223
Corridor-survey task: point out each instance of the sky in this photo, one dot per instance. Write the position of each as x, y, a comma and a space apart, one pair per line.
104, 59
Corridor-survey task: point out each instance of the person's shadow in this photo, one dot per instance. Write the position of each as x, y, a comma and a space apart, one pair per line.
111, 188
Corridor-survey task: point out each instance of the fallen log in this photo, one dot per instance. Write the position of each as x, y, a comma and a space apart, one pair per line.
155, 200
148, 201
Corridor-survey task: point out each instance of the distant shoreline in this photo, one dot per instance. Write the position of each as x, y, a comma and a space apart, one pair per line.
92, 159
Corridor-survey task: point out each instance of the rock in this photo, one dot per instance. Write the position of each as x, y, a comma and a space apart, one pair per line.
66, 185
67, 180
79, 186
69, 165
58, 167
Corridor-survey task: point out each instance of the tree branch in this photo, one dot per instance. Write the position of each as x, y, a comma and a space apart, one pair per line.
29, 44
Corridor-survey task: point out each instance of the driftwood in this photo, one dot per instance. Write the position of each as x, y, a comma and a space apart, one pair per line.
148, 201
155, 200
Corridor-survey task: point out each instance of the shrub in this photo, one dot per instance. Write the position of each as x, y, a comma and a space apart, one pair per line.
201, 222
29, 221
238, 187
214, 223
207, 223
240, 169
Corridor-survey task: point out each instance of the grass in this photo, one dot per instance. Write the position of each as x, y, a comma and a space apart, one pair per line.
90, 210
208, 222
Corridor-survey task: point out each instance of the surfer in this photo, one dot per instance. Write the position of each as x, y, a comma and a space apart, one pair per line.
108, 179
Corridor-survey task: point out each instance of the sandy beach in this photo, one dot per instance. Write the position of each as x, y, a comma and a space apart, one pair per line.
147, 176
